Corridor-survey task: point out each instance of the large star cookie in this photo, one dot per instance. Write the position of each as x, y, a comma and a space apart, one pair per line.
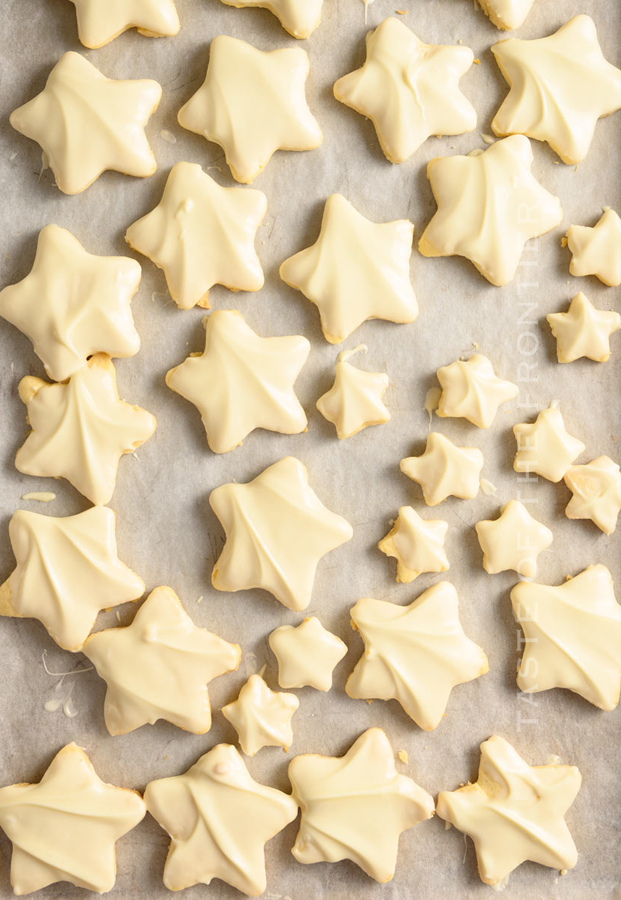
87, 124
64, 828
99, 23
298, 17
471, 390
481, 201
261, 717
572, 636
307, 654
409, 89
417, 544
545, 446
219, 820
356, 270
596, 489
73, 304
514, 812
356, 806
583, 331
506, 14
252, 103
597, 251
159, 667
202, 234
513, 541
80, 429
355, 399
67, 571
242, 381
445, 470
559, 87
414, 654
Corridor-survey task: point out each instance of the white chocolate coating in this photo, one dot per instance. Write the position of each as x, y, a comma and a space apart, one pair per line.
277, 530
99, 23
445, 470
355, 399
219, 820
409, 89
80, 429
481, 201
417, 544
514, 812
545, 447
506, 14
356, 270
414, 654
573, 637
201, 234
356, 806
252, 103
87, 124
583, 331
471, 390
261, 717
298, 17
597, 251
307, 654
596, 489
513, 541
242, 381
64, 828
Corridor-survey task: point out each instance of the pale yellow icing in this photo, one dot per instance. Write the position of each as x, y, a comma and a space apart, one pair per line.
252, 103
355, 399
572, 636
596, 489
277, 531
307, 654
219, 820
597, 251
356, 806
445, 470
261, 717
67, 571
81, 428
512, 541
409, 89
414, 654
506, 14
545, 446
559, 87
73, 303
201, 234
64, 828
298, 17
87, 124
417, 544
356, 270
514, 812
481, 201
99, 23
471, 390
40, 496
242, 381
583, 330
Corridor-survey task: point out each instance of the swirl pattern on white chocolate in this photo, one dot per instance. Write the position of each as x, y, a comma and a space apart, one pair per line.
355, 399
597, 251
445, 470
261, 717
583, 331
417, 544
596, 489
471, 390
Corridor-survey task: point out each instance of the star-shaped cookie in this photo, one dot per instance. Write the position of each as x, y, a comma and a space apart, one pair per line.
414, 654
201, 234
471, 390
512, 541
252, 103
261, 717
417, 544
445, 470
355, 806
559, 87
73, 304
506, 14
583, 331
572, 636
99, 23
159, 667
80, 429
219, 820
356, 270
545, 446
277, 531
597, 251
64, 828
307, 655
596, 489
514, 812
242, 381
87, 124
298, 17
481, 201
67, 571
355, 399
409, 89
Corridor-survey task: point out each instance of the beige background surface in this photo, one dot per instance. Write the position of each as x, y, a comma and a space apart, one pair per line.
166, 530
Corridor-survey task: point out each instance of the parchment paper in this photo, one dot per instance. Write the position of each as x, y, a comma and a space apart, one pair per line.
166, 530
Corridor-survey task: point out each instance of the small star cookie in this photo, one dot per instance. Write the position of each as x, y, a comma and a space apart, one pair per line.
99, 23
298, 17
596, 489
252, 103
261, 717
597, 250
545, 446
87, 124
307, 655
201, 234
506, 14
417, 544
583, 331
356, 270
513, 541
355, 399
445, 470
471, 390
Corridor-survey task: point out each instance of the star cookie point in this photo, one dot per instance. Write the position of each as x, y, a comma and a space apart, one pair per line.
417, 544
597, 251
512, 541
445, 470
545, 447
596, 489
355, 399
261, 717
307, 654
583, 331
99, 23
298, 17
471, 390
506, 14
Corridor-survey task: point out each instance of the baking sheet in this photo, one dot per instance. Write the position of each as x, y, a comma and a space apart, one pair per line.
166, 530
